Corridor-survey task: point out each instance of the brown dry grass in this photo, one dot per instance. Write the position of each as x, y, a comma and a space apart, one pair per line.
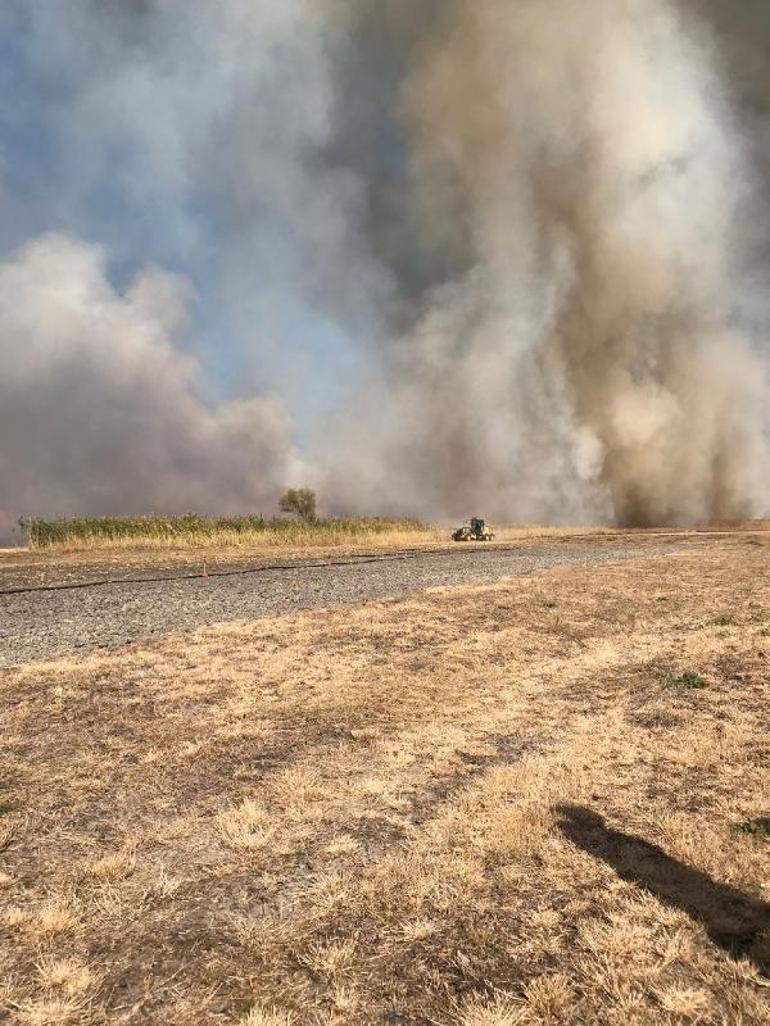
299, 542
478, 807
301, 539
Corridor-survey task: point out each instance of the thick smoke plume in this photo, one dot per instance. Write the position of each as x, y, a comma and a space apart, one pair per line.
101, 411
482, 255
586, 362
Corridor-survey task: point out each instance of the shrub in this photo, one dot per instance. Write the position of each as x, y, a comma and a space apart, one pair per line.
300, 501
755, 828
688, 679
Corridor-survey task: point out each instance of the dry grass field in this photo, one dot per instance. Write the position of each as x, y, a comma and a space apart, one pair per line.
190, 532
540, 801
291, 538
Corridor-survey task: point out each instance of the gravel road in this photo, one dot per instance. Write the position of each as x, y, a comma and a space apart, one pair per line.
45, 624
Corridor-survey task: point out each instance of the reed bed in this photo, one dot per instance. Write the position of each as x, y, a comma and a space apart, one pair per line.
192, 530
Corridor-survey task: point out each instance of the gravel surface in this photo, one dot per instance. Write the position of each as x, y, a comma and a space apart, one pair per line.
47, 624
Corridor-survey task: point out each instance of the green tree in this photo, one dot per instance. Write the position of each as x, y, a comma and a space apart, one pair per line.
300, 501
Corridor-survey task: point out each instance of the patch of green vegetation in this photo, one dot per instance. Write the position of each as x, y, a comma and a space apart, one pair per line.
300, 501
724, 621
549, 604
6, 807
688, 679
662, 598
754, 828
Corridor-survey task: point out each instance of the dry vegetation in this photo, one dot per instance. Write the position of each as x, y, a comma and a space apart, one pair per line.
166, 536
190, 530
263, 534
486, 806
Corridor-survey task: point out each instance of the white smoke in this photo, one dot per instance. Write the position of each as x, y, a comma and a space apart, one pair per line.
206, 124
100, 411
585, 365
187, 134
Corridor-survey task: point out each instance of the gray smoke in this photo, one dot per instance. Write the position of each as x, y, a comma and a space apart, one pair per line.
589, 363
520, 251
188, 134
100, 411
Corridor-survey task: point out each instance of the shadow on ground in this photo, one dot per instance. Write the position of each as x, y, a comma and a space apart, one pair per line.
737, 923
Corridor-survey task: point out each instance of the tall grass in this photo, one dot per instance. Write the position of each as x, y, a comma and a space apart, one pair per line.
191, 529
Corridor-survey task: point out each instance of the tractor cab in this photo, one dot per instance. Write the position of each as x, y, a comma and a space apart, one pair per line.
474, 529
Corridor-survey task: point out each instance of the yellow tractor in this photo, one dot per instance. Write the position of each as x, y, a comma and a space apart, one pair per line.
474, 529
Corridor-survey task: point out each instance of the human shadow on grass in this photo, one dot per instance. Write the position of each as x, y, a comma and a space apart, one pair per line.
737, 923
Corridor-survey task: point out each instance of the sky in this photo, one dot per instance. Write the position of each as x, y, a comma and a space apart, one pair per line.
104, 137
426, 258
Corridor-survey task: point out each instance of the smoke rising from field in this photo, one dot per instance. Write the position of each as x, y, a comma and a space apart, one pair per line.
178, 133
102, 409
586, 362
490, 256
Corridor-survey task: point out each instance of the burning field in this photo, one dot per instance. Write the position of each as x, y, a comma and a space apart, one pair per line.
542, 799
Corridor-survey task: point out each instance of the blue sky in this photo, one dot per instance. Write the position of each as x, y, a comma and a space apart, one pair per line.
157, 150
